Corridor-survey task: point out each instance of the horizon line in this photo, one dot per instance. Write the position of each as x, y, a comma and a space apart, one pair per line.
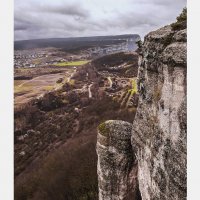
78, 37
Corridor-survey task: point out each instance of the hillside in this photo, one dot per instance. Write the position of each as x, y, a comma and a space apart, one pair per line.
55, 135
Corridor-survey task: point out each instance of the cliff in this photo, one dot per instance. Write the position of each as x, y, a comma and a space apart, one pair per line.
117, 166
159, 128
158, 134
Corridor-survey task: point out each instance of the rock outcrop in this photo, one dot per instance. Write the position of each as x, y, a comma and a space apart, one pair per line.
158, 138
117, 167
159, 128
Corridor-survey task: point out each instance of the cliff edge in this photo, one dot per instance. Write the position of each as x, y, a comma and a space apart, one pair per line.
158, 134
159, 128
117, 166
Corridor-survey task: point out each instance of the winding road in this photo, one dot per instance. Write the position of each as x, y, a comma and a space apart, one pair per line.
68, 80
110, 81
89, 90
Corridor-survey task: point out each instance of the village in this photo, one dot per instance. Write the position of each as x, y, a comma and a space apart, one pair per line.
44, 57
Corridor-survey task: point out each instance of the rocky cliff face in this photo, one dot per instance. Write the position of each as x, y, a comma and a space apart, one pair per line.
158, 133
159, 128
117, 167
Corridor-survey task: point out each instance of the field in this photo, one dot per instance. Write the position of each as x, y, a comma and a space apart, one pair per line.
73, 63
25, 90
30, 83
29, 73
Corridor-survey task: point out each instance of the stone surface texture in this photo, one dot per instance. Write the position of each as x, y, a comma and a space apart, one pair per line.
152, 151
159, 128
117, 169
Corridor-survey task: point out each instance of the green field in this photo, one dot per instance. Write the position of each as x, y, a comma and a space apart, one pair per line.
73, 63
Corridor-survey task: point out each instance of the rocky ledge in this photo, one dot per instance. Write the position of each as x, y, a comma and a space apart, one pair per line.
158, 134
159, 128
117, 167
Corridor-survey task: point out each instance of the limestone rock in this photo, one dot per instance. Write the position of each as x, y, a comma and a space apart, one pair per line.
159, 128
117, 167
180, 36
156, 156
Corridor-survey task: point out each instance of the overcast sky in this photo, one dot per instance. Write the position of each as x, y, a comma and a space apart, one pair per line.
36, 19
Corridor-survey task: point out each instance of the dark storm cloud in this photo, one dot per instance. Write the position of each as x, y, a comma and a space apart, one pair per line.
36, 19
65, 9
22, 22
67, 18
20, 27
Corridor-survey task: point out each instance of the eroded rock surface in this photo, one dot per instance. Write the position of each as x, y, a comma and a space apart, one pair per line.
117, 167
157, 153
159, 128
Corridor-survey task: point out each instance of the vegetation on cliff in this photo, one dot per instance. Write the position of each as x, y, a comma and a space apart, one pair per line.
181, 21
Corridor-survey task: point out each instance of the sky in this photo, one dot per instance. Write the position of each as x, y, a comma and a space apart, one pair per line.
36, 19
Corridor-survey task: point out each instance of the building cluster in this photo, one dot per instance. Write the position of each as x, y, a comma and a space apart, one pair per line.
37, 58
29, 58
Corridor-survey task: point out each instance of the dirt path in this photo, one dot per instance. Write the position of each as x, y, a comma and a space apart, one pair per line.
89, 90
68, 80
32, 80
110, 81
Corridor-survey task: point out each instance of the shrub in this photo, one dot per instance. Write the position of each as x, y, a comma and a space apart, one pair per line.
181, 21
66, 174
49, 102
139, 43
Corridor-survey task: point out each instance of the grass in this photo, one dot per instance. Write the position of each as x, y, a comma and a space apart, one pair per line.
18, 82
103, 129
133, 90
72, 82
29, 87
73, 63
23, 89
48, 88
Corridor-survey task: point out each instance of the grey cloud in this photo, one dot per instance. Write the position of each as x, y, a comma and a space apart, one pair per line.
74, 19
20, 28
43, 18
71, 10
161, 2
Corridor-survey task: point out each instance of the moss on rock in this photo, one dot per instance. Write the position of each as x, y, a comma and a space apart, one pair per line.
103, 129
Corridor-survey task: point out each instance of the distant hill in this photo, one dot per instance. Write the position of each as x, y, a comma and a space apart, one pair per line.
75, 42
